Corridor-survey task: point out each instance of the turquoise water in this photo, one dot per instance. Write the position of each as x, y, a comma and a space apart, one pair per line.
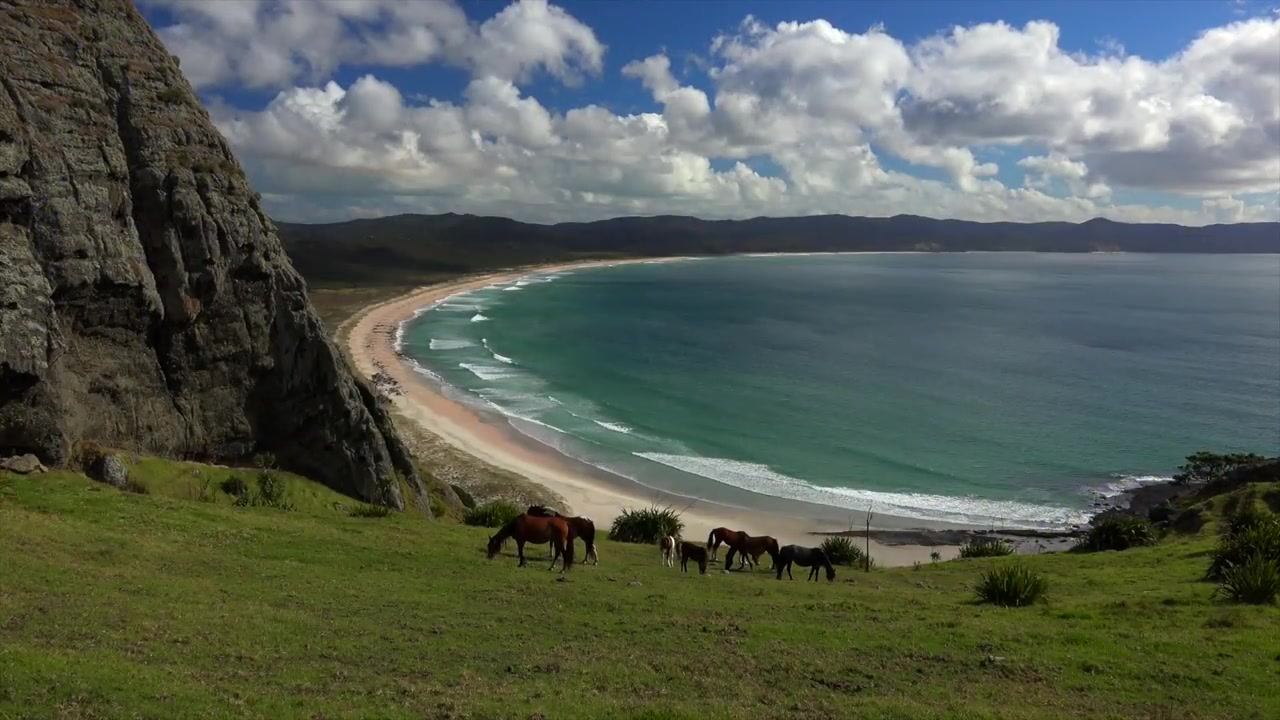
973, 388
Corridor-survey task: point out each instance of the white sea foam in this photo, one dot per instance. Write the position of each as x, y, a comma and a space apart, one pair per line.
512, 288
968, 510
616, 427
457, 307
1121, 484
446, 344
488, 373
503, 359
478, 318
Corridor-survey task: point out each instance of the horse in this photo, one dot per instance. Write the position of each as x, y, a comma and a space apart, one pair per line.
668, 547
723, 535
537, 530
695, 552
586, 529
812, 558
752, 548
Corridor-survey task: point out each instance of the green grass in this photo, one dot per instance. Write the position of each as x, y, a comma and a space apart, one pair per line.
114, 604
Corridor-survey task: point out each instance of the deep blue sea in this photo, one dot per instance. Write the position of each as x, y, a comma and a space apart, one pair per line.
977, 388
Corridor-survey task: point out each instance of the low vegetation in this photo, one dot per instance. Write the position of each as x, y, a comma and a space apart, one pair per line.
365, 510
492, 514
986, 548
1012, 584
1119, 532
841, 550
1255, 580
646, 525
179, 604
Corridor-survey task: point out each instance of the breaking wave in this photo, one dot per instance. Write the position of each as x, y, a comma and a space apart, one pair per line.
945, 508
439, 344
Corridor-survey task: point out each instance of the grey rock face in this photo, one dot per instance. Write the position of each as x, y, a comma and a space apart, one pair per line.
22, 464
110, 469
145, 301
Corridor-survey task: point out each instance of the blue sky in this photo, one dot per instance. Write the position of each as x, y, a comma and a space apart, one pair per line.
1199, 111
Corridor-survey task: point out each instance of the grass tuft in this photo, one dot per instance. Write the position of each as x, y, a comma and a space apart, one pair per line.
1235, 548
1255, 581
1012, 584
646, 525
841, 550
494, 513
985, 548
1118, 533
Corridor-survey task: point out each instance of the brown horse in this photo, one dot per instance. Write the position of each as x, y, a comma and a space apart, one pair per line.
536, 530
723, 536
752, 548
697, 553
586, 529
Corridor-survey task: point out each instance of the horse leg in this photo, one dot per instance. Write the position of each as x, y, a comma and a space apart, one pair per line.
813, 573
788, 566
520, 551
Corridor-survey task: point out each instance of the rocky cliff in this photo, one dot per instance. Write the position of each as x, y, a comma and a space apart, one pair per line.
145, 300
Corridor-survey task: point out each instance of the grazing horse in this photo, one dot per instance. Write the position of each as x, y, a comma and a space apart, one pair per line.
725, 536
586, 529
752, 548
695, 552
668, 546
537, 530
812, 558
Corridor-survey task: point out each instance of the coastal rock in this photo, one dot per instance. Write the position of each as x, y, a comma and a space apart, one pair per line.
22, 464
111, 470
146, 302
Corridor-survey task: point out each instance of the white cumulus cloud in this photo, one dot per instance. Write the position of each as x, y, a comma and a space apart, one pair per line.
986, 122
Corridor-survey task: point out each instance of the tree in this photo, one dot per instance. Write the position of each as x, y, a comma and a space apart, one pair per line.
1205, 467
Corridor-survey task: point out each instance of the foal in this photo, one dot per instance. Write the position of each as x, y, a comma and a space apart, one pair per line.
696, 552
668, 547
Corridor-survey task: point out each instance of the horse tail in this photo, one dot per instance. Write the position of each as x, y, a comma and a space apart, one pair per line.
711, 537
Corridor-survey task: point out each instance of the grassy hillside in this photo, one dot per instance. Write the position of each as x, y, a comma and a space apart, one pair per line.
162, 605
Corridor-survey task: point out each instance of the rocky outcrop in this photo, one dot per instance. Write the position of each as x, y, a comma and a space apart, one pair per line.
145, 301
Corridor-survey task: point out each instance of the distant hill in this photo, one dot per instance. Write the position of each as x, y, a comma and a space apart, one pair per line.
401, 246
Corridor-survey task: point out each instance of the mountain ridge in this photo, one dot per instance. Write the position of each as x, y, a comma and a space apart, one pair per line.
407, 245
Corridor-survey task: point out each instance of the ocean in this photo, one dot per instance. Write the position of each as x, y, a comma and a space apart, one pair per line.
1007, 389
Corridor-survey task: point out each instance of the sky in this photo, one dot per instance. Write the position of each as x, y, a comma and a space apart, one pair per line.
545, 112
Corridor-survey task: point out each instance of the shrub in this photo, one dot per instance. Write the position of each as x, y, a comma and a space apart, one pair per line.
935, 556
1012, 584
365, 510
172, 95
646, 525
1246, 518
1235, 548
1255, 581
494, 513
236, 487
137, 487
986, 547
273, 491
264, 461
1118, 532
841, 550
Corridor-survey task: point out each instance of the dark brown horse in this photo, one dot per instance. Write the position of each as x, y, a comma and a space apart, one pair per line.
752, 548
697, 553
581, 526
723, 536
536, 530
586, 529
812, 558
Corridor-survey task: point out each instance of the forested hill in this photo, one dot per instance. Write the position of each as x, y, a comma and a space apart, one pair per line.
402, 246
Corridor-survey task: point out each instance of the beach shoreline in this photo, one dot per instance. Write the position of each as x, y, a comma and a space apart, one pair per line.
371, 338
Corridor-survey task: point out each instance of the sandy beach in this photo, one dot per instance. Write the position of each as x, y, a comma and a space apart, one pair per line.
585, 489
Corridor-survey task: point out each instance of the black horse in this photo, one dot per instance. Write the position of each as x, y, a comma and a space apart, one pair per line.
812, 558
